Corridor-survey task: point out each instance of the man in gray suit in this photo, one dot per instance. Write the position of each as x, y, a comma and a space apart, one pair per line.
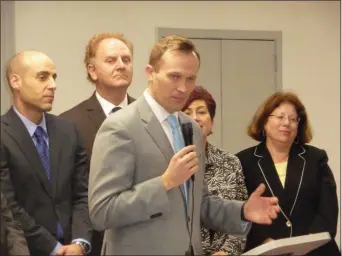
140, 189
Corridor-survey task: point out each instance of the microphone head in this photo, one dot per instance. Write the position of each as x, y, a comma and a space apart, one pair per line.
188, 138
187, 133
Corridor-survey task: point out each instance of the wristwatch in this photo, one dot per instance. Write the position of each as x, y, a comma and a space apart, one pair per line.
84, 246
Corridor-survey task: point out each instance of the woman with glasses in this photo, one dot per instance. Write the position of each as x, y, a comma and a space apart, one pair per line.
296, 173
223, 173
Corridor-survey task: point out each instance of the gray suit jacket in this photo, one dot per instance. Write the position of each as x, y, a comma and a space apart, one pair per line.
126, 194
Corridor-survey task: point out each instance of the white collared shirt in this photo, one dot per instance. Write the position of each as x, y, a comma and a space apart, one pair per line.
161, 114
108, 106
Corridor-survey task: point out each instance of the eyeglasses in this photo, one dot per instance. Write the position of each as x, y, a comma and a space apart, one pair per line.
282, 119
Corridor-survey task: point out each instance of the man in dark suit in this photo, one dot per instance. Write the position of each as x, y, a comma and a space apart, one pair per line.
44, 167
12, 240
108, 60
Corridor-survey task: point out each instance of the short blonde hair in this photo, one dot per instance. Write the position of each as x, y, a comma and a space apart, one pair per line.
93, 45
176, 43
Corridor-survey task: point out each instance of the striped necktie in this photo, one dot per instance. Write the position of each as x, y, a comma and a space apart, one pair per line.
43, 151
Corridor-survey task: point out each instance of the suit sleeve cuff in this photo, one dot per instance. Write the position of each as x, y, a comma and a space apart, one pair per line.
58, 246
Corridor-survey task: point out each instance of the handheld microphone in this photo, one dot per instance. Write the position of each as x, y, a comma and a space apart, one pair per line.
188, 140
188, 137
187, 134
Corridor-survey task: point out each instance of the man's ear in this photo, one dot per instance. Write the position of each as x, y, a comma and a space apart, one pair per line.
15, 81
91, 71
149, 72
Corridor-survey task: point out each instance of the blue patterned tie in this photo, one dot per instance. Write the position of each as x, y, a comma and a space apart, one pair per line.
43, 151
178, 144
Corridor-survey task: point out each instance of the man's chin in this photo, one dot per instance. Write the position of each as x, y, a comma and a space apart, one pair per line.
121, 83
47, 108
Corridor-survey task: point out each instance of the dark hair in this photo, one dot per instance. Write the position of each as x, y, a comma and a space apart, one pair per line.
200, 93
256, 127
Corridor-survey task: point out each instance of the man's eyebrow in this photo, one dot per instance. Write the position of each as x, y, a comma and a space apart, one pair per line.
43, 73
46, 73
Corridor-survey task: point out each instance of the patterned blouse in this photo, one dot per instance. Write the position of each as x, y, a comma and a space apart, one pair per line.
224, 177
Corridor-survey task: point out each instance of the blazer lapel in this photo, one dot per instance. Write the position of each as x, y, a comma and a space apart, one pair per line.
55, 143
95, 112
130, 99
294, 173
268, 170
17, 130
156, 131
154, 128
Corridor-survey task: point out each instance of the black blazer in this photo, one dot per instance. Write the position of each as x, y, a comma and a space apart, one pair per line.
309, 199
12, 238
35, 202
88, 116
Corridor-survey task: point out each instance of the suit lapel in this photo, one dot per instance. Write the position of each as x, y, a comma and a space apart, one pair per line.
295, 171
130, 99
267, 168
55, 143
17, 130
154, 129
95, 112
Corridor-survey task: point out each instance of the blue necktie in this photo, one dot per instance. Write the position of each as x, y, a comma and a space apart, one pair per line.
178, 143
43, 151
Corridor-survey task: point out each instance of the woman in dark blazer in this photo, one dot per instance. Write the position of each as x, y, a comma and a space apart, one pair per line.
296, 173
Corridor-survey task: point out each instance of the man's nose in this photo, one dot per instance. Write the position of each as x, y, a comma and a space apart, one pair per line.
52, 84
121, 64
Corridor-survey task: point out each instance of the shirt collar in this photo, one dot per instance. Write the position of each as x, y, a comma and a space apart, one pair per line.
160, 112
108, 106
30, 126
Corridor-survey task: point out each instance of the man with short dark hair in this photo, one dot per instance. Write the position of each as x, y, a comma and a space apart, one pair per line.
43, 167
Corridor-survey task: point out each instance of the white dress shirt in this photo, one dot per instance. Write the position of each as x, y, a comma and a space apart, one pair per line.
108, 106
161, 114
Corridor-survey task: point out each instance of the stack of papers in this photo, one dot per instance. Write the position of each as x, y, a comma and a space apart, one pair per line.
297, 245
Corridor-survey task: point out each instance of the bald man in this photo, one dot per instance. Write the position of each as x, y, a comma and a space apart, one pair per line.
44, 167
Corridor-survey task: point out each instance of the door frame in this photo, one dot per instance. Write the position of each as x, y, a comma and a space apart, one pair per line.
220, 34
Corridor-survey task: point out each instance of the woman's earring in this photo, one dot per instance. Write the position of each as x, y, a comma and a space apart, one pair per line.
210, 132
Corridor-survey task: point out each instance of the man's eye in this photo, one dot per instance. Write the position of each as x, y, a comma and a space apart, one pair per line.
126, 60
174, 76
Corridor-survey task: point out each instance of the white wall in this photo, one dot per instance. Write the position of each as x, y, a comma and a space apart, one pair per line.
7, 49
311, 46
